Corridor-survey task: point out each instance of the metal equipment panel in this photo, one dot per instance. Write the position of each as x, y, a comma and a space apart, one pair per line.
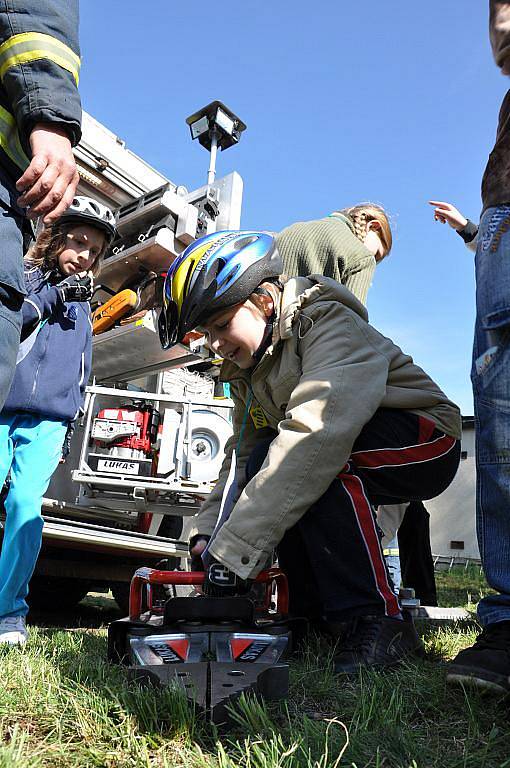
131, 351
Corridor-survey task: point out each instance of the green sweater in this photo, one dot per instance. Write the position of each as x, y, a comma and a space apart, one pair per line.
327, 247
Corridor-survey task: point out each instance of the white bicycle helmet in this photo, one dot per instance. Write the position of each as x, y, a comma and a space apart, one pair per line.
91, 212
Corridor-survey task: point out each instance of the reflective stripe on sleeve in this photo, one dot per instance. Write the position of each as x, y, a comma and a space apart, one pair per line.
9, 140
30, 46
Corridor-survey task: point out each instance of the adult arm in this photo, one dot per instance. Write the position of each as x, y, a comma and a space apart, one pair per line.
39, 69
447, 213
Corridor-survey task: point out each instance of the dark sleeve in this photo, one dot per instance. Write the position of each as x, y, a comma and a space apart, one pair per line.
39, 306
469, 232
40, 63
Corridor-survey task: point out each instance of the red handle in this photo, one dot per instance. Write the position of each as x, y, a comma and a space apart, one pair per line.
144, 576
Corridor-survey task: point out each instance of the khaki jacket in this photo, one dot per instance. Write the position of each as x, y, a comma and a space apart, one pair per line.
322, 379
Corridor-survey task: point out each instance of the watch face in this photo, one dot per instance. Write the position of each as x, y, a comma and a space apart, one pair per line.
221, 576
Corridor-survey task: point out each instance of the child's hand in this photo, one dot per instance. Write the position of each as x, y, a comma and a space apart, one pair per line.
447, 213
220, 581
197, 545
78, 287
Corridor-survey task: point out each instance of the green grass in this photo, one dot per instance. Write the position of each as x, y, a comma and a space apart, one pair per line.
61, 704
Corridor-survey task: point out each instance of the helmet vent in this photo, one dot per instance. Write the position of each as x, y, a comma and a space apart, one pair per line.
242, 242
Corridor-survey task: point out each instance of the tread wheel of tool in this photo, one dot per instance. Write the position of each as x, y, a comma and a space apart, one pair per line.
47, 593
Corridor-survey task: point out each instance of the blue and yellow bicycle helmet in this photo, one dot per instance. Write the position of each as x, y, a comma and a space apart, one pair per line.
215, 272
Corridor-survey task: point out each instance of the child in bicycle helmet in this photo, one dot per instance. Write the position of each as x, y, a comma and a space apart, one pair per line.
47, 392
330, 419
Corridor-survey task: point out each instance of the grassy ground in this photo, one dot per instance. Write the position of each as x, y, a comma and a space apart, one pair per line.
62, 705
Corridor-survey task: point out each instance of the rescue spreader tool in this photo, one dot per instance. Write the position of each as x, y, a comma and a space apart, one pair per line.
213, 648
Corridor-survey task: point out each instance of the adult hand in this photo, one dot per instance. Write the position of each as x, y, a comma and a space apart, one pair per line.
446, 213
49, 183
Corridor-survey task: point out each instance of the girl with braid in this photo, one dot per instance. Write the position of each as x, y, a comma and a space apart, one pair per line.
346, 246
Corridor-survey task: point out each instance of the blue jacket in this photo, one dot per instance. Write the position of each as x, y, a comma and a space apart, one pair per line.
39, 69
55, 356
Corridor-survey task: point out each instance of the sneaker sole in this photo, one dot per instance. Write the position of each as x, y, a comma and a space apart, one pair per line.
491, 682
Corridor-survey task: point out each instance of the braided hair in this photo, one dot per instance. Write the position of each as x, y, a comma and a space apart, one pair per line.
361, 215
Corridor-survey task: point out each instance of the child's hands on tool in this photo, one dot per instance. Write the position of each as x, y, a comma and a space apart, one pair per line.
197, 544
77, 287
220, 581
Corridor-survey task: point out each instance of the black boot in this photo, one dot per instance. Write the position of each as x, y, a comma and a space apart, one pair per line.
377, 642
487, 663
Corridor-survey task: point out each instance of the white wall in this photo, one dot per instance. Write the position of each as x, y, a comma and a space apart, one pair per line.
452, 514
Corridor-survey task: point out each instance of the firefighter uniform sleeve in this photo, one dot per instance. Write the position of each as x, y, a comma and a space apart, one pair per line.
39, 71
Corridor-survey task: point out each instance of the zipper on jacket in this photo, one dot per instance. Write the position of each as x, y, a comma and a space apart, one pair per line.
39, 364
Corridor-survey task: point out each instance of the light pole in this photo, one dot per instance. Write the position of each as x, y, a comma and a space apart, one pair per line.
215, 126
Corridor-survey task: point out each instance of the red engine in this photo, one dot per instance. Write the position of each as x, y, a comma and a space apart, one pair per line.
130, 430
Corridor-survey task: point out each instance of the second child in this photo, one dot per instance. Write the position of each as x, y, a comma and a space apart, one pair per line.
47, 392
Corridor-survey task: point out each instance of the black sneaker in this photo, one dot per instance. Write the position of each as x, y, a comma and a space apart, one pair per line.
487, 663
378, 642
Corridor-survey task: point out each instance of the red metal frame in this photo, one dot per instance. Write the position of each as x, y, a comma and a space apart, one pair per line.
145, 577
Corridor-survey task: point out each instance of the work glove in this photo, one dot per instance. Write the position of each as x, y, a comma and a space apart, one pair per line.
197, 564
78, 287
220, 581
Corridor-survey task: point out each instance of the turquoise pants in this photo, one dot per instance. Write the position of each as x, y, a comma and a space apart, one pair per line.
30, 448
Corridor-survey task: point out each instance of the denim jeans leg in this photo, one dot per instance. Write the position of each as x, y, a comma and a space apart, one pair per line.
490, 376
13, 239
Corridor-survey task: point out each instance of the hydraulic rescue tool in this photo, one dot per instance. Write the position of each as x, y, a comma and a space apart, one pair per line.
212, 648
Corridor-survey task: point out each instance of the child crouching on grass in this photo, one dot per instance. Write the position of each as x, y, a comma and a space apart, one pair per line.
331, 419
48, 388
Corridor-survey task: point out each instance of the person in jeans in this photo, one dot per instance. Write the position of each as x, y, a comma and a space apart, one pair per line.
40, 119
487, 663
347, 421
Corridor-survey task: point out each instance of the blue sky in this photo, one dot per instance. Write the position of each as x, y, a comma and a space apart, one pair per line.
393, 102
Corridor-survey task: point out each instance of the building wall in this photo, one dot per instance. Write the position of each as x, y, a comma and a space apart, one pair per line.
452, 514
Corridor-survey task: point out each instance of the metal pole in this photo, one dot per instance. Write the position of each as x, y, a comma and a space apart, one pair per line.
211, 173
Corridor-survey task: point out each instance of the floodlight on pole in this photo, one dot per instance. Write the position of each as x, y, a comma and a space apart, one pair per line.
215, 126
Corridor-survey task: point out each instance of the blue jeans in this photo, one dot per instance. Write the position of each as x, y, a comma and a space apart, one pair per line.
490, 376
14, 236
30, 448
392, 558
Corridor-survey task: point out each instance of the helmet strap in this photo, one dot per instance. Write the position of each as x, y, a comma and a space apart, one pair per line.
268, 331
266, 339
